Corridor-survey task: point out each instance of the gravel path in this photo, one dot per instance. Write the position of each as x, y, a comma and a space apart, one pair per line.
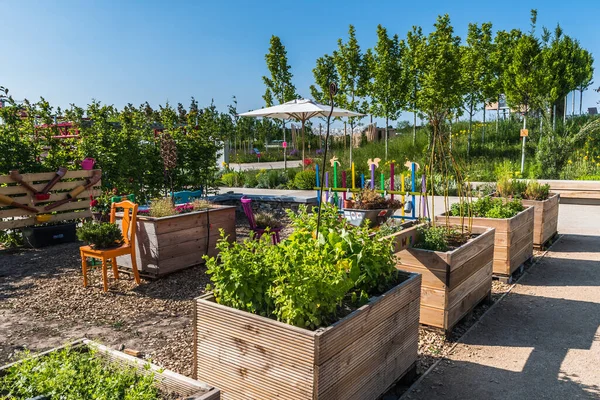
44, 304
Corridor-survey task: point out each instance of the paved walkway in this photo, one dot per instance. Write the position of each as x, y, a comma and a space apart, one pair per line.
543, 340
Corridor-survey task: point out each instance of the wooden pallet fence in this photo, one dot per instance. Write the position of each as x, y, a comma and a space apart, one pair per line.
168, 381
513, 243
12, 218
168, 244
359, 357
545, 219
454, 282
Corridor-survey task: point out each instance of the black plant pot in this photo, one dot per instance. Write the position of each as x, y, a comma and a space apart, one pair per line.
41, 236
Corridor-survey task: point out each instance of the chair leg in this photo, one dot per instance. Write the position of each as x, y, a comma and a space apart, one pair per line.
115, 268
136, 274
277, 236
104, 275
84, 268
273, 238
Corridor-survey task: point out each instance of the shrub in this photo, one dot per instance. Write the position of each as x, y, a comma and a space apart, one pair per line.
233, 179
305, 180
304, 280
270, 179
433, 238
162, 207
536, 191
100, 235
266, 220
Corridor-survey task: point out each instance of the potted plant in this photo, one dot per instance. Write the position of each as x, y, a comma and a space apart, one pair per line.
513, 242
371, 208
86, 370
173, 237
545, 204
100, 235
320, 316
100, 206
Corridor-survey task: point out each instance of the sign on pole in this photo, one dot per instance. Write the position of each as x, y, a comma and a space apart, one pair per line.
284, 145
524, 132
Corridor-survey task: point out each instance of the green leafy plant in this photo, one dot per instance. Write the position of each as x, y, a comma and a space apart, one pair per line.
305, 180
72, 375
100, 235
536, 191
201, 204
233, 179
433, 238
308, 279
488, 207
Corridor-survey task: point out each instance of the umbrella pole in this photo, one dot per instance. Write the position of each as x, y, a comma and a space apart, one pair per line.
284, 149
303, 144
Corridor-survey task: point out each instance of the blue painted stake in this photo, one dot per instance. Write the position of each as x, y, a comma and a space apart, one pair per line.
318, 185
413, 187
362, 181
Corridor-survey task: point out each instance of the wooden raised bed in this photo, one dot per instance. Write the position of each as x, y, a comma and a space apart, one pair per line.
359, 357
513, 243
454, 282
167, 381
545, 219
168, 244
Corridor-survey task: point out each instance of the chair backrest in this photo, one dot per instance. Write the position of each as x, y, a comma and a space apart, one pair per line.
128, 223
247, 206
185, 196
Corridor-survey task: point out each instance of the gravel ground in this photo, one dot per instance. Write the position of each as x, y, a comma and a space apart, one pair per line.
43, 304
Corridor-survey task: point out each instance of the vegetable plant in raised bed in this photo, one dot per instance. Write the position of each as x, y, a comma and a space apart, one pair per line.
513, 243
172, 237
289, 317
545, 220
87, 370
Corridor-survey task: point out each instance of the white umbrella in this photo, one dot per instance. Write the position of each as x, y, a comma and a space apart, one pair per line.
301, 110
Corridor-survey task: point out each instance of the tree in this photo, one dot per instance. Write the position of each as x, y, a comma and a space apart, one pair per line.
388, 87
324, 73
415, 42
476, 70
584, 72
353, 77
279, 85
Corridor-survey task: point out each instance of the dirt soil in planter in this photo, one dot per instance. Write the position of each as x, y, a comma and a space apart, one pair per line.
43, 304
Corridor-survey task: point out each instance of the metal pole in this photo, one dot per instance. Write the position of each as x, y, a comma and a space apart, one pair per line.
523, 148
284, 149
351, 141
573, 103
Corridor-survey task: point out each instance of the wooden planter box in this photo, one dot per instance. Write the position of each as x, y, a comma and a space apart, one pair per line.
513, 243
167, 381
545, 219
168, 244
454, 282
359, 357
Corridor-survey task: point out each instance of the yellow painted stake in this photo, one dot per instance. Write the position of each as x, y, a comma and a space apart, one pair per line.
353, 177
402, 179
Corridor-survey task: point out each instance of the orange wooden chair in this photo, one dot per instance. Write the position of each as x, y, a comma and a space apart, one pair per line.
128, 228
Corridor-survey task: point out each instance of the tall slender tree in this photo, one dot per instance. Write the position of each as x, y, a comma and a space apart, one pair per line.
413, 57
388, 87
324, 74
353, 77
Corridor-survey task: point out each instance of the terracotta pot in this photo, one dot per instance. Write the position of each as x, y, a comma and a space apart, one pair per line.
348, 203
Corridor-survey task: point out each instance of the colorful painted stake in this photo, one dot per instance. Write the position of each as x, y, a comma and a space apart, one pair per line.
392, 179
353, 177
327, 185
424, 185
318, 190
413, 186
382, 181
334, 163
344, 183
403, 186
362, 181
372, 176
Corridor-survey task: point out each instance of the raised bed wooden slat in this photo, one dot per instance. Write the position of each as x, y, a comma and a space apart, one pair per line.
360, 356
513, 243
545, 220
162, 248
452, 281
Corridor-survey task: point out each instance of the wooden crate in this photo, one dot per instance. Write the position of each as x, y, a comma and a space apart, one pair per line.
513, 243
168, 244
406, 237
359, 357
545, 219
12, 218
454, 282
167, 381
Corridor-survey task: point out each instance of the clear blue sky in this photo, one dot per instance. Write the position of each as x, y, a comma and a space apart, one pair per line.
136, 51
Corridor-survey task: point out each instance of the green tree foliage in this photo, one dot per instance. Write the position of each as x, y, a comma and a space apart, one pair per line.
388, 88
279, 85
